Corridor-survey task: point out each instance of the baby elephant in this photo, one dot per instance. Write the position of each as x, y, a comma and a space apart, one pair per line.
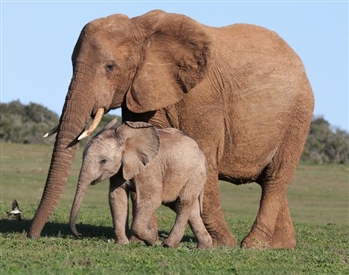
162, 166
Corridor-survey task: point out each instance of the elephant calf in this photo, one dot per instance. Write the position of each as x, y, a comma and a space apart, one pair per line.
162, 166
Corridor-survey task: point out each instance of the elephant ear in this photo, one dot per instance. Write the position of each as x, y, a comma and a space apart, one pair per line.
177, 54
141, 145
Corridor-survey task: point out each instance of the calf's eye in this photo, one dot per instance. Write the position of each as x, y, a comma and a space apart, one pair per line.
103, 161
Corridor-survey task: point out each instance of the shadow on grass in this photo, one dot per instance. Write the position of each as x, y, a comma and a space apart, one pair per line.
53, 229
62, 230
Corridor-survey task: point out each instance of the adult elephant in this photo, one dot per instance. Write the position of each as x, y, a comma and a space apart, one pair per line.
240, 91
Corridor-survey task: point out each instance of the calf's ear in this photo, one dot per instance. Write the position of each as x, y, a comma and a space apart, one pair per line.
141, 145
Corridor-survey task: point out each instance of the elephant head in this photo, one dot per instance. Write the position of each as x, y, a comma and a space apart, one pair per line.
144, 63
131, 146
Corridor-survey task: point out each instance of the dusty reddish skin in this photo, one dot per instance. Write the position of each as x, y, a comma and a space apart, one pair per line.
240, 91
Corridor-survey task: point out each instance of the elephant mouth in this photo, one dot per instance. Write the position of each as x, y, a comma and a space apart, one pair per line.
99, 179
95, 182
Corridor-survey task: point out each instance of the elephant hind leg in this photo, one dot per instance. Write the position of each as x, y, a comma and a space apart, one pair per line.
273, 210
284, 233
199, 229
273, 224
273, 227
183, 210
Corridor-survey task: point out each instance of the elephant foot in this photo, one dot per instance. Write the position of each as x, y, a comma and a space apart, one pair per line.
204, 240
205, 245
261, 237
223, 238
258, 238
283, 243
168, 242
122, 241
284, 238
31, 235
219, 230
150, 236
151, 242
134, 239
253, 242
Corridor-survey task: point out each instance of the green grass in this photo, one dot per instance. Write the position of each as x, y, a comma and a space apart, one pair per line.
318, 199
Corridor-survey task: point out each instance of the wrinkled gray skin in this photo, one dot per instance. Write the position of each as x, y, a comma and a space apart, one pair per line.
161, 166
239, 91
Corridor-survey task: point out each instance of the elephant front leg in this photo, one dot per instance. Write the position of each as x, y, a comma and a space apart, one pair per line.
153, 223
212, 212
118, 202
141, 225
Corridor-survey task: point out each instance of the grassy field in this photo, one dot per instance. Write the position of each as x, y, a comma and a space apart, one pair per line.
318, 198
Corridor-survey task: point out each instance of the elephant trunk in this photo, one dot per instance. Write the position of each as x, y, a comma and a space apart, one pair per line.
76, 112
79, 196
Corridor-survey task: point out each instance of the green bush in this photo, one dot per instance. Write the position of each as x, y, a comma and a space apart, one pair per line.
326, 145
27, 124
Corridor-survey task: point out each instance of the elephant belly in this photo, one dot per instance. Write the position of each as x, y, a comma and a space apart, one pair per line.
245, 156
171, 190
255, 128
239, 170
179, 185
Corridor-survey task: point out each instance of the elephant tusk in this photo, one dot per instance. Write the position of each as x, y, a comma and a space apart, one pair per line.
94, 124
52, 131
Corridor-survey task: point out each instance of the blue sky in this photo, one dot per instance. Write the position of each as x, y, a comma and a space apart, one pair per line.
37, 39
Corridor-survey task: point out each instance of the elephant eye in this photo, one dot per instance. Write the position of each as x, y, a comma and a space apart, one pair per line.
103, 161
110, 67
